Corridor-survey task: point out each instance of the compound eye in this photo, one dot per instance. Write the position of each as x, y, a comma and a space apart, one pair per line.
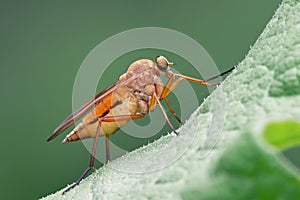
162, 63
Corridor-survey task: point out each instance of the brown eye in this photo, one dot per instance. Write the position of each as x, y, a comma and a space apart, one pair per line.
162, 63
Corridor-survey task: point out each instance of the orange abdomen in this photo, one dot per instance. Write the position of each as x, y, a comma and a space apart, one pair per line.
120, 102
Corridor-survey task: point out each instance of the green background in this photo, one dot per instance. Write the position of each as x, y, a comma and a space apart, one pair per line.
42, 47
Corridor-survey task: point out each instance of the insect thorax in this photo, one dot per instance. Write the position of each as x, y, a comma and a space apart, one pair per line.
147, 76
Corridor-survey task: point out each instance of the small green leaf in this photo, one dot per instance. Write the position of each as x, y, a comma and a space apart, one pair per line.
283, 135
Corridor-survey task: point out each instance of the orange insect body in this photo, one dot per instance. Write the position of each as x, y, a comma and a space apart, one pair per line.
134, 95
125, 100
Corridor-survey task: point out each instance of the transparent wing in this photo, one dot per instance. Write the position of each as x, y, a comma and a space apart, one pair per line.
72, 118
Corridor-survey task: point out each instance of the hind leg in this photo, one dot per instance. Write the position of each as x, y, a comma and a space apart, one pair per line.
91, 165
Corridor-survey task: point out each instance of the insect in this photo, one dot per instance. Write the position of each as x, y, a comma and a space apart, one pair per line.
137, 92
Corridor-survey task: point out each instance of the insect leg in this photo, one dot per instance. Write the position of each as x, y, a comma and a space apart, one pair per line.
203, 82
121, 117
170, 88
222, 74
167, 86
92, 161
172, 110
107, 148
152, 103
164, 114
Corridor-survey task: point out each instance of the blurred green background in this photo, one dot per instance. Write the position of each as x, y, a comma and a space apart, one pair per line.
42, 47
